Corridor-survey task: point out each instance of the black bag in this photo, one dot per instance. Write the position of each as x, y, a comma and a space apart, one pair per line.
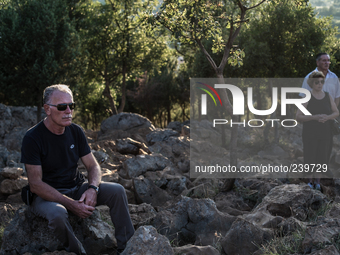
335, 127
26, 195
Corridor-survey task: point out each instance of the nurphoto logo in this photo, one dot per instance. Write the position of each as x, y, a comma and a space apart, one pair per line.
262, 109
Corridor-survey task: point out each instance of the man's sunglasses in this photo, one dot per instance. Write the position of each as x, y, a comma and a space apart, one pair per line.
63, 107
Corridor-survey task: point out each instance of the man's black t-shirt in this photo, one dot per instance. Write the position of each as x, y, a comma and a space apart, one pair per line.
58, 155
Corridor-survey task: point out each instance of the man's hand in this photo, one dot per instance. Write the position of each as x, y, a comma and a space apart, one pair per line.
89, 197
82, 210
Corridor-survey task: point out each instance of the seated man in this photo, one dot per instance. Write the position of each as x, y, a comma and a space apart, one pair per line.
50, 151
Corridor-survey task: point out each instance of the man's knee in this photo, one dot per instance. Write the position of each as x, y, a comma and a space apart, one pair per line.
58, 217
111, 194
112, 189
120, 190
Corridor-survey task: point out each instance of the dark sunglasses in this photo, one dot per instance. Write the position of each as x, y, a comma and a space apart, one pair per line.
317, 82
63, 107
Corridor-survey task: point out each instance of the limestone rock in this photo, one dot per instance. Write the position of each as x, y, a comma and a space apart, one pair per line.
147, 192
25, 116
147, 241
195, 250
29, 233
175, 148
141, 214
322, 233
176, 185
128, 146
6, 119
3, 154
175, 125
328, 250
142, 163
292, 200
124, 125
244, 238
160, 135
9, 186
12, 172
13, 140
190, 221
13, 159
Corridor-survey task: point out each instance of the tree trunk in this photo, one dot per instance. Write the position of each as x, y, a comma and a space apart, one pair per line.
123, 101
169, 113
229, 183
107, 93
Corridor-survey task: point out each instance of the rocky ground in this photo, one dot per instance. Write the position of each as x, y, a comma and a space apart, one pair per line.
173, 213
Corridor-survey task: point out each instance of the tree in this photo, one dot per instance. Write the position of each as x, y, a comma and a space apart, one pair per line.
194, 21
119, 46
157, 92
283, 41
39, 47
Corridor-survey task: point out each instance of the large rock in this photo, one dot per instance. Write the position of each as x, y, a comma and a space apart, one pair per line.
12, 172
147, 192
25, 116
6, 120
160, 135
244, 238
9, 186
176, 185
190, 221
147, 241
328, 250
175, 125
175, 148
289, 200
29, 233
124, 125
128, 146
13, 159
323, 232
142, 163
141, 214
3, 155
13, 140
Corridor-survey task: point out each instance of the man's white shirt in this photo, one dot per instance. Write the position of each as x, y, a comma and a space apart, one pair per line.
332, 84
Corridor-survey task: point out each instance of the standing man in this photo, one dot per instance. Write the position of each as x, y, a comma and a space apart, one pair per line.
50, 151
332, 85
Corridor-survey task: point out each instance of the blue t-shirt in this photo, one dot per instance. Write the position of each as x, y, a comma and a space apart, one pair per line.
58, 155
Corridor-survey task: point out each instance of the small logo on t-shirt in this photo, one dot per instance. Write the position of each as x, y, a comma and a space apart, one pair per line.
72, 146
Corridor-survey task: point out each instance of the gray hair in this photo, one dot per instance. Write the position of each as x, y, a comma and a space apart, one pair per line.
50, 89
318, 56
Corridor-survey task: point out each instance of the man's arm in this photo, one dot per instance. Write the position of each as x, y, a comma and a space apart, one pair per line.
305, 86
94, 177
47, 192
337, 100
